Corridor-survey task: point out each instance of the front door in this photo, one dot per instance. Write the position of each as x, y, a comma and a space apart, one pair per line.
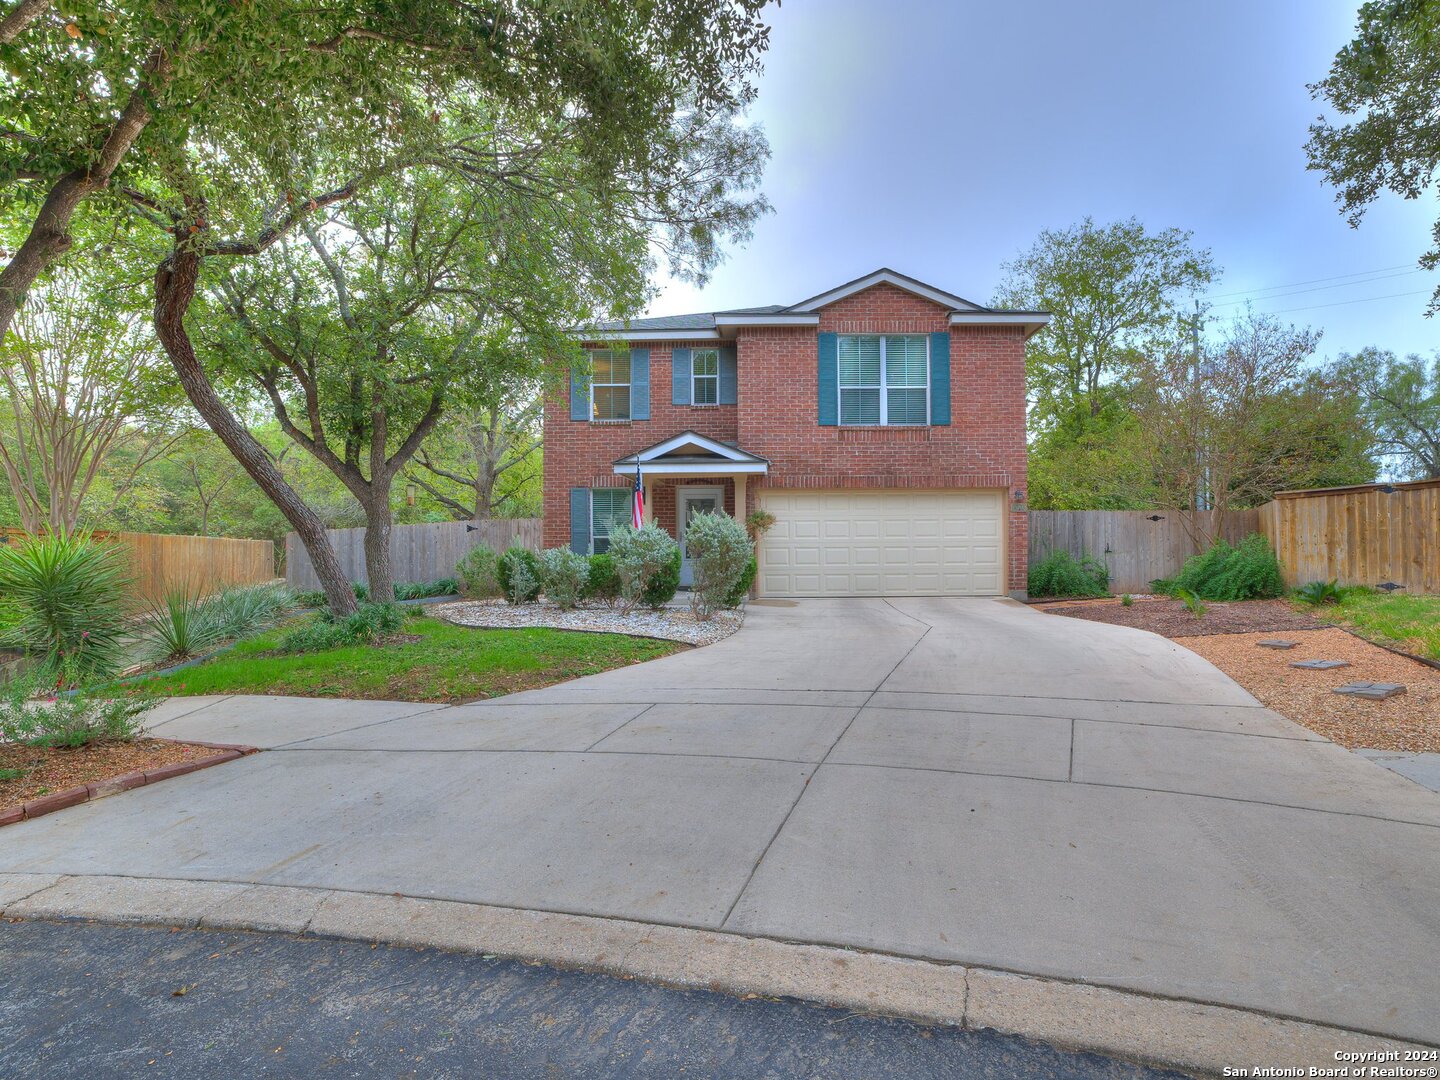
688, 502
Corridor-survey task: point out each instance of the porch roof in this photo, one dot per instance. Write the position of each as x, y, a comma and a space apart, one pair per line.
693, 454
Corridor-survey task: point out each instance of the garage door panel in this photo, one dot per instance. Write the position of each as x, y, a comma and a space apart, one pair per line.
876, 543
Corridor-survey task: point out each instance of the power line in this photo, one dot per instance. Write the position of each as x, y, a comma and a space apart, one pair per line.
1317, 288
1312, 281
1341, 303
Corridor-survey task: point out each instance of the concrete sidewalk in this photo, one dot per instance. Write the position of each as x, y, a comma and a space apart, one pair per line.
966, 782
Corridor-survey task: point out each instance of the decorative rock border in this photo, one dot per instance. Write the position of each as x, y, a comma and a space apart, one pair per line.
113, 785
669, 623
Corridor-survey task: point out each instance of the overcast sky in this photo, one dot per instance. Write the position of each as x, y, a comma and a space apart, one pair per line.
939, 137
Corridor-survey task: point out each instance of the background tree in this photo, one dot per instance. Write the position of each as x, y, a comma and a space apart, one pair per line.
84, 387
484, 461
1244, 419
1401, 403
1386, 82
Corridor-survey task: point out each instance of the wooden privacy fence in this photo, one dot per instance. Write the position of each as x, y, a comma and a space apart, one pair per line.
1137, 546
417, 552
1367, 535
160, 562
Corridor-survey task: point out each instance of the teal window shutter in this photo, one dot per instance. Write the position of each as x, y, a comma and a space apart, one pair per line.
680, 377
940, 378
828, 381
639, 384
579, 395
580, 520
728, 380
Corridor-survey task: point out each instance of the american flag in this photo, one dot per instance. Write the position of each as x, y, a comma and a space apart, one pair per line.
637, 515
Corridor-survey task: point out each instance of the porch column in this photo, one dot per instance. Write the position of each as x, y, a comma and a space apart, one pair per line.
740, 510
648, 517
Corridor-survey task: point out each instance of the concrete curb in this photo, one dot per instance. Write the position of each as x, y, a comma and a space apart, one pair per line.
113, 785
1191, 1036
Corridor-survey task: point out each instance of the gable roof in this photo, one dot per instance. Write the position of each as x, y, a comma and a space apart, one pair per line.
708, 325
690, 450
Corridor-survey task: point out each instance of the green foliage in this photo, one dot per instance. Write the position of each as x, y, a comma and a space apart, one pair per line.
647, 562
1319, 592
370, 622
719, 550
360, 589
1383, 84
31, 714
1061, 574
478, 573
758, 523
1193, 603
604, 582
742, 586
1411, 623
520, 575
1249, 571
244, 609
565, 575
313, 598
1400, 403
421, 590
69, 594
179, 627
1127, 600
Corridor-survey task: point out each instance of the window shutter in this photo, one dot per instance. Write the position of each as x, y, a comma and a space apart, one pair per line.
728, 379
579, 395
679, 376
639, 384
580, 520
828, 381
940, 378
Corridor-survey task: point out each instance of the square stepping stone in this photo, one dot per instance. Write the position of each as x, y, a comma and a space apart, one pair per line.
1371, 691
1320, 665
1277, 643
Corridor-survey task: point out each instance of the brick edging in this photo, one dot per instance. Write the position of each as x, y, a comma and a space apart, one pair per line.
113, 785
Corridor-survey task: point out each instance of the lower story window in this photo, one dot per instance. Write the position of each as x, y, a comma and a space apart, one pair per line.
609, 507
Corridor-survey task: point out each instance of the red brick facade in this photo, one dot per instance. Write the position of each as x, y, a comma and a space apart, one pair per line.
777, 418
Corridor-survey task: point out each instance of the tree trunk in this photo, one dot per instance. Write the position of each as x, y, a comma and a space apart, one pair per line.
174, 290
378, 521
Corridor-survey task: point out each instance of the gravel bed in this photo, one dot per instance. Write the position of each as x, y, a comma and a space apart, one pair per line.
1170, 618
1409, 722
668, 624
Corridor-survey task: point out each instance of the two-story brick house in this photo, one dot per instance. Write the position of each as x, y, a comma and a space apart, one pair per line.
882, 422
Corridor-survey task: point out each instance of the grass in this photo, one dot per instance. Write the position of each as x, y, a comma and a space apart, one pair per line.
430, 660
1411, 623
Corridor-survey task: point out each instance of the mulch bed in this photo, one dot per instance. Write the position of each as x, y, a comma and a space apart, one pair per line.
45, 772
1172, 619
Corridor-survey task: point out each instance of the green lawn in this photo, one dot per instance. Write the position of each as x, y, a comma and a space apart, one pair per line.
448, 664
1411, 623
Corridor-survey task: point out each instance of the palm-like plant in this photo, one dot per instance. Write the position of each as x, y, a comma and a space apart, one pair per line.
68, 592
179, 626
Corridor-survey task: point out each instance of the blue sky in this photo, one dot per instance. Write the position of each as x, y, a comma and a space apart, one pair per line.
939, 138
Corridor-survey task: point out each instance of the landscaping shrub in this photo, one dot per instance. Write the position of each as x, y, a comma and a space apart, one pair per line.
520, 575
647, 562
719, 549
32, 716
603, 583
566, 575
361, 590
742, 586
67, 594
422, 590
1061, 574
478, 573
310, 598
1247, 572
179, 627
371, 621
245, 609
1320, 592
1193, 603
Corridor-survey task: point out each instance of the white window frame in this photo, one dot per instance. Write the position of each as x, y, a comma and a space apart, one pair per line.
628, 384
884, 386
597, 491
695, 377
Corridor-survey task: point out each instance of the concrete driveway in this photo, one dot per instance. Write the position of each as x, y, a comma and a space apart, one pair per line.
965, 781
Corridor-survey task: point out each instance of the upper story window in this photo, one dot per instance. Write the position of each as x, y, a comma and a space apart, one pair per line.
884, 379
610, 384
705, 365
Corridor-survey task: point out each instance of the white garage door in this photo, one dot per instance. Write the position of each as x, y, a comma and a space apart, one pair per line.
879, 543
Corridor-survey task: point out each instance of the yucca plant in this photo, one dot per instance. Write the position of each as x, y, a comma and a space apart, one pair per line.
67, 594
180, 626
244, 609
